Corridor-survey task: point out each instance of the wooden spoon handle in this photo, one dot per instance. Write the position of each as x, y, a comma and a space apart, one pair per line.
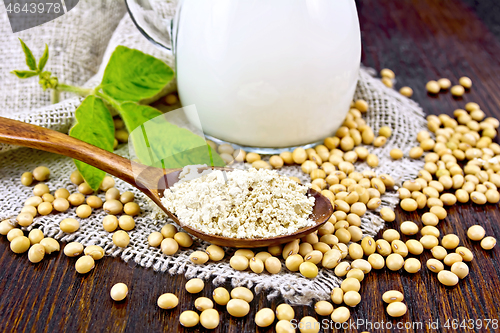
22, 134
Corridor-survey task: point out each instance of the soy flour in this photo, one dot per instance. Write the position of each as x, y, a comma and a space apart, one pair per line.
252, 204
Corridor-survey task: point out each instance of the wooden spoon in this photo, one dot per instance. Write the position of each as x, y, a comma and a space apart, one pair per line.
151, 181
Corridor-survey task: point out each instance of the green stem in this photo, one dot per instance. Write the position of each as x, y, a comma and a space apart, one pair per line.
54, 96
76, 90
114, 103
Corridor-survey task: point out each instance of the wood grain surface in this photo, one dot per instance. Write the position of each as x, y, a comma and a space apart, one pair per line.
420, 40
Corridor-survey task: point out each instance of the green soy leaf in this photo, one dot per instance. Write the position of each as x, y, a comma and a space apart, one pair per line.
160, 143
24, 74
43, 60
30, 59
94, 125
132, 75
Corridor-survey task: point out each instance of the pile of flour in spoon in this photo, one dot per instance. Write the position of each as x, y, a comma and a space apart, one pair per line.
251, 204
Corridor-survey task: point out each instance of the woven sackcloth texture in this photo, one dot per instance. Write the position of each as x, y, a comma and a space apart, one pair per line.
77, 42
76, 59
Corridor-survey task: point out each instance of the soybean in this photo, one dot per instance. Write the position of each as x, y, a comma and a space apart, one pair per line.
465, 253
376, 261
84, 264
323, 308
399, 247
131, 208
194, 286
383, 247
308, 269
35, 236
396, 154
215, 253
447, 278
414, 246
76, 199
95, 251
107, 183
409, 228
221, 296
112, 194
350, 284
488, 243
45, 208
285, 312
357, 274
435, 265
238, 308
293, 262
40, 189
41, 173
256, 265
126, 222
210, 319
242, 293
388, 214
94, 201
361, 264
189, 318
127, 197
119, 291
168, 301
392, 296
429, 241
50, 245
83, 211
113, 207
284, 326
168, 230
476, 232
110, 223
239, 263
60, 204
439, 252
36, 253
352, 298
412, 265
27, 178
396, 309
394, 262
183, 239
121, 238
203, 303
340, 314
155, 238
390, 235
337, 296
169, 246
309, 324
85, 188
73, 249
460, 269
76, 178
450, 241
5, 227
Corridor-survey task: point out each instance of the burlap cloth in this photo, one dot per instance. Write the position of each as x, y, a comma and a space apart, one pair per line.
80, 43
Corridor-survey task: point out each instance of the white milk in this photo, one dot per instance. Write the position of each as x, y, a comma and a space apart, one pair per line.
268, 73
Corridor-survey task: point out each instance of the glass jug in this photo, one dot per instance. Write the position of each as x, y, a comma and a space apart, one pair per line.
262, 74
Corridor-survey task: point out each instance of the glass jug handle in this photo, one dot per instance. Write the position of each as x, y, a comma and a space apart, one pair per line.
155, 28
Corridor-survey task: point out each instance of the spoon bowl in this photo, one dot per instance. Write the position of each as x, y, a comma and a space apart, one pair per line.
149, 180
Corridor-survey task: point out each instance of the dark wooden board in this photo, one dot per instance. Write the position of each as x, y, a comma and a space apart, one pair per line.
420, 40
